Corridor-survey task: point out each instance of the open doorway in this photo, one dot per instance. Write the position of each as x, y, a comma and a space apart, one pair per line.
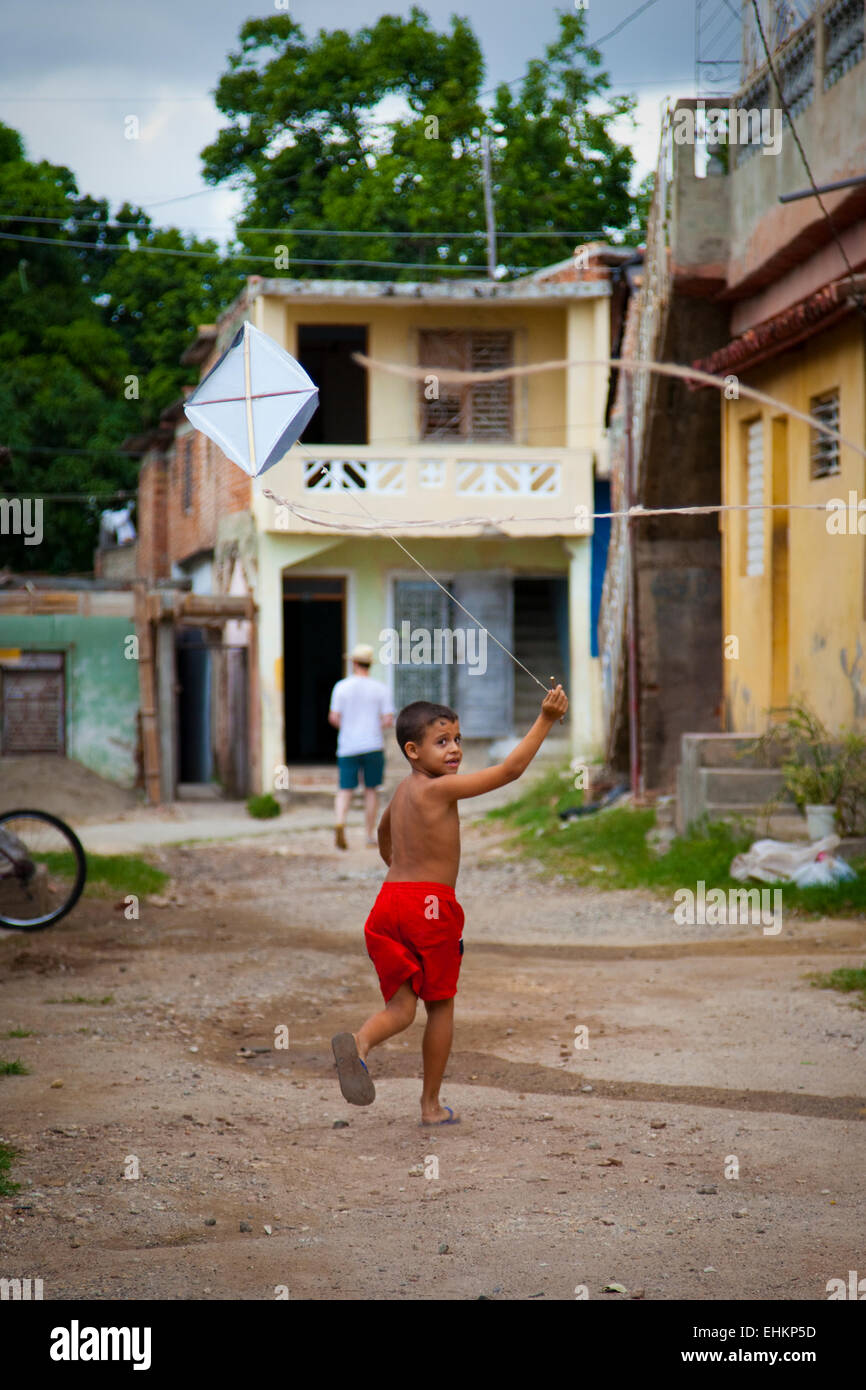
325, 352
195, 753
313, 647
540, 640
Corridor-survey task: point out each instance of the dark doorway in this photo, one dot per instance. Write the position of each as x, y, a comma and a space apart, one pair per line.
325, 352
313, 646
540, 641
195, 760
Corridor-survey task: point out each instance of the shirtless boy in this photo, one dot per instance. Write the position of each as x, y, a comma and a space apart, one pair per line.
414, 932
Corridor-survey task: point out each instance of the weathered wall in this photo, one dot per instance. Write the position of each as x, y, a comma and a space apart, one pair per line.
101, 684
679, 559
826, 649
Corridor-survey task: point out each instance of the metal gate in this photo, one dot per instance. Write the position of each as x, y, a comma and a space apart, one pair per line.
32, 704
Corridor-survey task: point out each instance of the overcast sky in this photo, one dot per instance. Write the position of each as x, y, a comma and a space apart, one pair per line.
71, 72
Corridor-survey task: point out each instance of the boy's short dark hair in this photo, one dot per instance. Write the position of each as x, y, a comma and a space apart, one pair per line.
414, 719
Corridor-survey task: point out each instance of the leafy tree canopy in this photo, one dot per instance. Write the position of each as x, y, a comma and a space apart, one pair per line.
90, 345
312, 146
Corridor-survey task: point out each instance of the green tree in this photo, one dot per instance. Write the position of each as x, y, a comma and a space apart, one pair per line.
90, 343
309, 146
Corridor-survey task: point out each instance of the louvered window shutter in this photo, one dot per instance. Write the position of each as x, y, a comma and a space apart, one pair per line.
491, 402
754, 555
425, 608
485, 702
483, 411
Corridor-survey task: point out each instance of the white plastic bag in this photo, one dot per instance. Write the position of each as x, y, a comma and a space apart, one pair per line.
823, 871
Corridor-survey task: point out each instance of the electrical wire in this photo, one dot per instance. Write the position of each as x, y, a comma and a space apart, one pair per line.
555, 234
858, 292
226, 258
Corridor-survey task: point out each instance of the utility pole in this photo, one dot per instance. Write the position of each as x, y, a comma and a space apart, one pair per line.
488, 206
631, 612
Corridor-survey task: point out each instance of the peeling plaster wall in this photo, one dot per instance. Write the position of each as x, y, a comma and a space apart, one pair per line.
101, 686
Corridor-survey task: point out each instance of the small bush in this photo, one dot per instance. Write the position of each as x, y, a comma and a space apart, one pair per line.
16, 1068
847, 979
263, 807
81, 999
7, 1153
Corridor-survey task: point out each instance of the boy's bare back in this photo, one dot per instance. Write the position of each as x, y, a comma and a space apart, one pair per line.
419, 833
425, 834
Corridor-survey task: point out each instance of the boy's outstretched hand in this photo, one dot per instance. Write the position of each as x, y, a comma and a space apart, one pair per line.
555, 703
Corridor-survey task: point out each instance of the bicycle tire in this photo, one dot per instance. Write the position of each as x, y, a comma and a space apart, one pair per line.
40, 924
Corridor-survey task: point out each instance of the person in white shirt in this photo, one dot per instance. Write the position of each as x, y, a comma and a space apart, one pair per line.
361, 709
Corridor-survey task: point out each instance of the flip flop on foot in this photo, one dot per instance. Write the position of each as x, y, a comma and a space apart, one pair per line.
355, 1081
452, 1118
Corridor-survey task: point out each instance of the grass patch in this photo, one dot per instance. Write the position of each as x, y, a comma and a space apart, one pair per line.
81, 999
848, 979
540, 803
16, 1068
7, 1154
109, 873
263, 807
609, 849
124, 873
17, 1033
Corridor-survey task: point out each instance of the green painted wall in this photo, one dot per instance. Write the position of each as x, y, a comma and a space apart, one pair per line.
101, 685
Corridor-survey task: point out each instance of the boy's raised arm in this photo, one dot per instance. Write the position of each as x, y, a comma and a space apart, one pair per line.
456, 788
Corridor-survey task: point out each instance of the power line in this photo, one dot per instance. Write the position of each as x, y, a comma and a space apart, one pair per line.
95, 452
292, 231
40, 496
594, 43
240, 255
13, 97
857, 296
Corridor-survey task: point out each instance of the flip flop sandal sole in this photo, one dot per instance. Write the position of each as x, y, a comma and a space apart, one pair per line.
355, 1081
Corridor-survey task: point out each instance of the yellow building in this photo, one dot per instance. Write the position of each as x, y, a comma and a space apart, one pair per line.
790, 267
795, 581
480, 484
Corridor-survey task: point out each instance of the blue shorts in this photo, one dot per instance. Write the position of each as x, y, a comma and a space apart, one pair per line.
372, 765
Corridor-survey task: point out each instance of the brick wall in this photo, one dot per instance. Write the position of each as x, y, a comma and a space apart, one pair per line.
203, 486
152, 518
182, 495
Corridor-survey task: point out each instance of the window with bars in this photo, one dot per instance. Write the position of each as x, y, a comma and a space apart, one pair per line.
824, 451
482, 411
753, 529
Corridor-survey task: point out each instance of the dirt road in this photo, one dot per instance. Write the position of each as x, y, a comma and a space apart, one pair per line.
707, 1143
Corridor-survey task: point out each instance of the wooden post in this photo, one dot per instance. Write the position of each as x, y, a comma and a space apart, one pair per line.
147, 697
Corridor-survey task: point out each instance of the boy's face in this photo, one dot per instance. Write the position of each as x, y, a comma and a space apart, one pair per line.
439, 753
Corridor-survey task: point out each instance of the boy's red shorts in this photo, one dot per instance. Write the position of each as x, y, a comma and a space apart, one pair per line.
415, 933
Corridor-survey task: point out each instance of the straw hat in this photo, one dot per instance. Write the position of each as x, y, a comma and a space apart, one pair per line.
362, 654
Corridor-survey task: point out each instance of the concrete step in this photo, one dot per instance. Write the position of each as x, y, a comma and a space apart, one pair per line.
740, 786
720, 750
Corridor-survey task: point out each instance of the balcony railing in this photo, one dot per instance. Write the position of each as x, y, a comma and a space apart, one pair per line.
791, 28
535, 490
474, 477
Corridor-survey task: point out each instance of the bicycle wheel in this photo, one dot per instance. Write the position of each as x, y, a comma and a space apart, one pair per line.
42, 869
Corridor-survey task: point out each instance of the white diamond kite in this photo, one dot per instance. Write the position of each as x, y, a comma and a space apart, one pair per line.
255, 402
